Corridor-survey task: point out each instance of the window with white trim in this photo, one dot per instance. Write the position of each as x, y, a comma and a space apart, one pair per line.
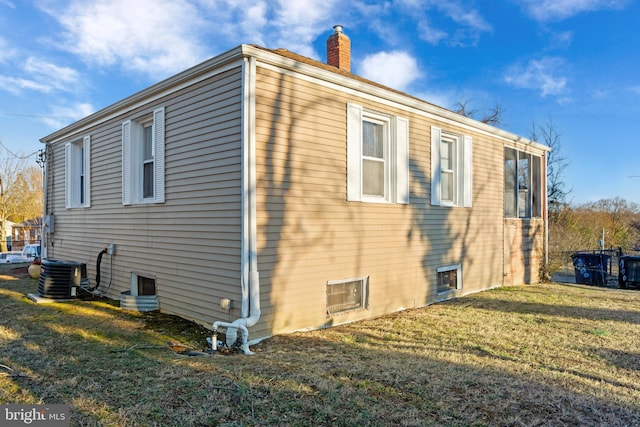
449, 278
522, 184
77, 158
347, 295
143, 159
451, 168
377, 156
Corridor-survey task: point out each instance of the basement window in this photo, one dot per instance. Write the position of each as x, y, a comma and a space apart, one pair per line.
142, 285
449, 278
347, 295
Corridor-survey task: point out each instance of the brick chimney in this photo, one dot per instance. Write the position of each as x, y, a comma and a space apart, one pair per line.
339, 49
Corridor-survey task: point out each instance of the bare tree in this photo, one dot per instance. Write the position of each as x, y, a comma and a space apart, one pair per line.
491, 117
547, 133
20, 193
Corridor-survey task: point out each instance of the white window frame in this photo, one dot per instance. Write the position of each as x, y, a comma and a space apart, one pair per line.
396, 156
364, 294
77, 159
461, 173
384, 123
458, 269
133, 159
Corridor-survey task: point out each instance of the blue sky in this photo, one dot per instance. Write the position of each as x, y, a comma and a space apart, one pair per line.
576, 62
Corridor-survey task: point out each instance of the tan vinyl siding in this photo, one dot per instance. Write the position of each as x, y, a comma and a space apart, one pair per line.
309, 234
307, 231
190, 243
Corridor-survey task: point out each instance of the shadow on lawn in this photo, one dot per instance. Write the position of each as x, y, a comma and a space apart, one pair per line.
105, 363
80, 353
436, 390
494, 302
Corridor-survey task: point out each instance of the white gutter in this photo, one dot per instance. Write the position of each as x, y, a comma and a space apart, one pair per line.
250, 279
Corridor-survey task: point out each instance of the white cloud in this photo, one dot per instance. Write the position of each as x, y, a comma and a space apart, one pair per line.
555, 10
40, 76
444, 99
156, 37
291, 24
17, 85
161, 37
60, 116
562, 40
430, 34
298, 23
237, 21
464, 15
544, 75
6, 52
57, 77
459, 24
394, 69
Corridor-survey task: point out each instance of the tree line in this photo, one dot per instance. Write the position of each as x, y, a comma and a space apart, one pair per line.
614, 223
21, 192
607, 223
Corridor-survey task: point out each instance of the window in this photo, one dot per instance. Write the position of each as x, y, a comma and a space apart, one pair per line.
143, 159
146, 286
77, 156
374, 157
451, 168
347, 295
377, 157
449, 278
522, 184
147, 161
142, 285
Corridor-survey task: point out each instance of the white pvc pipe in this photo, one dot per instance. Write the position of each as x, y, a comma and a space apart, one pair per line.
250, 281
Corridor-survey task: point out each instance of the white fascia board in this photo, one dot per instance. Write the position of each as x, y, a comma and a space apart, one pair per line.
270, 60
274, 62
216, 65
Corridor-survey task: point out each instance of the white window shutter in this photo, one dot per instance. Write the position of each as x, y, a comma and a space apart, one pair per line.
467, 171
436, 133
158, 159
126, 162
86, 147
354, 152
68, 181
402, 160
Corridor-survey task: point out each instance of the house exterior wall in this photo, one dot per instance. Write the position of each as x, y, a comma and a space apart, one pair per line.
310, 234
191, 243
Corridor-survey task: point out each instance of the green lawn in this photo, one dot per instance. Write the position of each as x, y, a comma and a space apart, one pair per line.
551, 354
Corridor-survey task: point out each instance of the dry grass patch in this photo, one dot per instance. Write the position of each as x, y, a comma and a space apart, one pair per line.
536, 355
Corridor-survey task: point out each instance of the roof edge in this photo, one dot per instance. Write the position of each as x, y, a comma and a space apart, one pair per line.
295, 63
300, 64
132, 100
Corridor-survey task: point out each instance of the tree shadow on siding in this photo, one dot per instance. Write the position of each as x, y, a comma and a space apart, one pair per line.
291, 228
455, 235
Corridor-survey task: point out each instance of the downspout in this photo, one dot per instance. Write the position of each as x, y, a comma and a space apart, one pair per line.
44, 233
250, 280
546, 217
